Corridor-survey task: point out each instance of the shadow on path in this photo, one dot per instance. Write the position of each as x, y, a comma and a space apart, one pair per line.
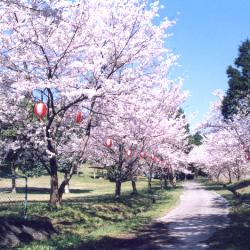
199, 214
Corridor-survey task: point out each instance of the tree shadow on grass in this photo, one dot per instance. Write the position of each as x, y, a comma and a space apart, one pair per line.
185, 234
181, 233
151, 238
38, 190
107, 208
235, 236
214, 187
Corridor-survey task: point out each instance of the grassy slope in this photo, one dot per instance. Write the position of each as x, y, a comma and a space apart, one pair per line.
236, 236
91, 213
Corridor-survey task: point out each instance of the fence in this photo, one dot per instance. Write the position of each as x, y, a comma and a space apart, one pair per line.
13, 195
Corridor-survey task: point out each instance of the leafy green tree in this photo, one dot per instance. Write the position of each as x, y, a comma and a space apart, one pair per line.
195, 139
237, 95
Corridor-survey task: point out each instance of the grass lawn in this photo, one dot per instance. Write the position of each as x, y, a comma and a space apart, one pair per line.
80, 186
91, 213
237, 235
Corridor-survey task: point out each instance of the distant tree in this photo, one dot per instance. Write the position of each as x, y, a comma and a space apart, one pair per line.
224, 151
237, 96
195, 139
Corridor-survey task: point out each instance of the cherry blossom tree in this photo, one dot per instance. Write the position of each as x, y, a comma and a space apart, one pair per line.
72, 56
149, 123
225, 144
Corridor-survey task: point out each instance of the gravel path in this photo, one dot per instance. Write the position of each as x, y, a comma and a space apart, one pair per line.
199, 214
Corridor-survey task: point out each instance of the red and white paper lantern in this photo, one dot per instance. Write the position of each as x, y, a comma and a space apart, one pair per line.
109, 142
247, 156
79, 117
40, 110
129, 152
153, 158
142, 155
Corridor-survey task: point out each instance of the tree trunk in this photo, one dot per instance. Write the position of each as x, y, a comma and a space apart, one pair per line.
218, 177
118, 185
134, 187
161, 181
238, 177
149, 184
172, 178
229, 177
165, 182
13, 181
238, 173
173, 181
66, 189
55, 198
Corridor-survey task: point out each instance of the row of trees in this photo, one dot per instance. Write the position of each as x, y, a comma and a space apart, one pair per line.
226, 142
105, 59
225, 148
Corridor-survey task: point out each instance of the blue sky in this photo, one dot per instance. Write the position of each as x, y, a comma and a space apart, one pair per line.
206, 36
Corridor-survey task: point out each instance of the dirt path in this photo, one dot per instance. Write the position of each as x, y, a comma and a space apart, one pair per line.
199, 214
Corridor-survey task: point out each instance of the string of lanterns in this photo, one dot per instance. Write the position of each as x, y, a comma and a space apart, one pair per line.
143, 155
40, 110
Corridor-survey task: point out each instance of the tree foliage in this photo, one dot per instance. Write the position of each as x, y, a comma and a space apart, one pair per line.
101, 58
195, 139
237, 95
225, 147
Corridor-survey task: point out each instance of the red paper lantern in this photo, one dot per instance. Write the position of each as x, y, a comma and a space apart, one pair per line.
247, 156
153, 157
40, 110
129, 152
142, 155
109, 142
79, 117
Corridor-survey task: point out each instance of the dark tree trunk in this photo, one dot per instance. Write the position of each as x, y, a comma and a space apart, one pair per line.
229, 177
149, 184
134, 187
165, 182
13, 181
238, 173
162, 186
118, 176
55, 199
218, 177
172, 178
66, 189
118, 185
238, 176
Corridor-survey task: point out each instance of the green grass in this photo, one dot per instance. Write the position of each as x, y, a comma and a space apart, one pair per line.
85, 221
91, 213
236, 236
80, 186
